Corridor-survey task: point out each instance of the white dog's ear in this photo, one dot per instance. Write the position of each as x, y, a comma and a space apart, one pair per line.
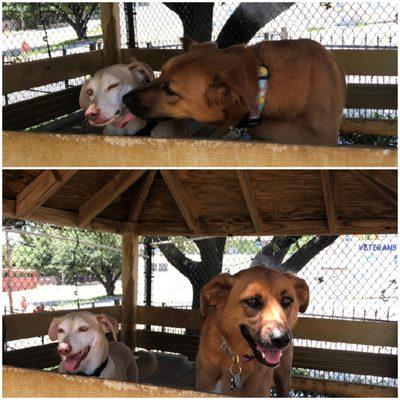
214, 293
53, 328
142, 72
84, 99
108, 324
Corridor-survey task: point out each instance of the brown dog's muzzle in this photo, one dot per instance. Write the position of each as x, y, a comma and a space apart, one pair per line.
133, 101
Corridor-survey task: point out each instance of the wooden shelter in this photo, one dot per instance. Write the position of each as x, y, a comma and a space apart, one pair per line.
197, 203
44, 149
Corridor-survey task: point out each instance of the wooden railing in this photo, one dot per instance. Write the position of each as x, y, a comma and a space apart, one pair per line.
372, 333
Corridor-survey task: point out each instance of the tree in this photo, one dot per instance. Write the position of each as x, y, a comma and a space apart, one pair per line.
300, 249
241, 26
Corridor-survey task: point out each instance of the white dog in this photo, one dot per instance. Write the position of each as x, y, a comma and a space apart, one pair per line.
85, 350
101, 98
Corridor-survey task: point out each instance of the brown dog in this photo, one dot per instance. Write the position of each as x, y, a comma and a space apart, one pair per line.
249, 332
305, 94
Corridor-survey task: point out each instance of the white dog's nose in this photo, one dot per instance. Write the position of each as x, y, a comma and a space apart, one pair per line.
92, 111
64, 349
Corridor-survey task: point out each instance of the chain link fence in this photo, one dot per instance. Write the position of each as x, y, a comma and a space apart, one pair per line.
350, 278
35, 31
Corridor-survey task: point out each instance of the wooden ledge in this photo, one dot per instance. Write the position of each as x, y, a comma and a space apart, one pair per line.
24, 149
19, 382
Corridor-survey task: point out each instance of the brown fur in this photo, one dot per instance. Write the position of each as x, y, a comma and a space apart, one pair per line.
225, 294
306, 90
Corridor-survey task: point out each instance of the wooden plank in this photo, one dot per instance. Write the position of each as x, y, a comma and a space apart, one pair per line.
381, 190
141, 197
341, 389
328, 187
106, 195
68, 218
40, 190
37, 324
372, 333
384, 365
355, 62
181, 199
110, 24
251, 200
18, 382
376, 96
27, 75
129, 278
368, 62
22, 149
361, 126
28, 113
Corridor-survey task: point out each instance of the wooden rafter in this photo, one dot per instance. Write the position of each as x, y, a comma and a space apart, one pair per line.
381, 190
106, 195
251, 200
328, 187
40, 190
141, 197
180, 197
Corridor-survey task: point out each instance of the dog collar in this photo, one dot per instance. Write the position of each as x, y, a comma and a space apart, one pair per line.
97, 372
224, 346
253, 118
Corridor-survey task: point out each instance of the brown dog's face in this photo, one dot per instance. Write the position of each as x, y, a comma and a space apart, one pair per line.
257, 308
205, 84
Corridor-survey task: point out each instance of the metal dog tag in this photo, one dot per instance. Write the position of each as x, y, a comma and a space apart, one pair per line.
235, 382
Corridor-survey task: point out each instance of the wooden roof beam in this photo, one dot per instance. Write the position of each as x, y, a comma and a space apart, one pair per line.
181, 200
45, 185
141, 196
381, 190
106, 195
328, 187
251, 200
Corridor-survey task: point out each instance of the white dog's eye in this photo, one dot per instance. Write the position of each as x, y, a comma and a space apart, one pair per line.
60, 330
114, 85
89, 92
83, 329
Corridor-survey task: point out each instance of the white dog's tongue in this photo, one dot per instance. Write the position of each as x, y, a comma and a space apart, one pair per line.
72, 363
271, 356
126, 118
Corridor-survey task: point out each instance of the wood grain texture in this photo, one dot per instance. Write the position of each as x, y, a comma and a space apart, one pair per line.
361, 126
27, 75
22, 149
40, 190
129, 280
110, 25
328, 187
106, 195
18, 382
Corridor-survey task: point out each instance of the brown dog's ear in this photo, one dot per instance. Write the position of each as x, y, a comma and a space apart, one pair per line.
302, 291
189, 44
142, 72
53, 328
84, 99
214, 292
108, 324
226, 90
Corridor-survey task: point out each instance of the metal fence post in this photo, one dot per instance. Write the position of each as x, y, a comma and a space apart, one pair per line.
130, 25
148, 251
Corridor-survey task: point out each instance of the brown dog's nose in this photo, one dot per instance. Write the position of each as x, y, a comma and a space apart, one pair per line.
64, 349
280, 339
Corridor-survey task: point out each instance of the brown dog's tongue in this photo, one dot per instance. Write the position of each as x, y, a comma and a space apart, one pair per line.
126, 118
272, 356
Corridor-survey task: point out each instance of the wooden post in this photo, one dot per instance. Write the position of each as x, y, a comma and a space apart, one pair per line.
110, 24
129, 276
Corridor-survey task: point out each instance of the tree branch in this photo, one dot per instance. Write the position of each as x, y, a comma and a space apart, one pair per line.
307, 252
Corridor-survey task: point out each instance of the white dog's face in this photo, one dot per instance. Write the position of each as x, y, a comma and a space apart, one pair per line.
79, 333
101, 96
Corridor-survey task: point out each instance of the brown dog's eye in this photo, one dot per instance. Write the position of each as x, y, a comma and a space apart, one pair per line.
83, 329
114, 85
253, 302
60, 330
168, 90
286, 302
89, 92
